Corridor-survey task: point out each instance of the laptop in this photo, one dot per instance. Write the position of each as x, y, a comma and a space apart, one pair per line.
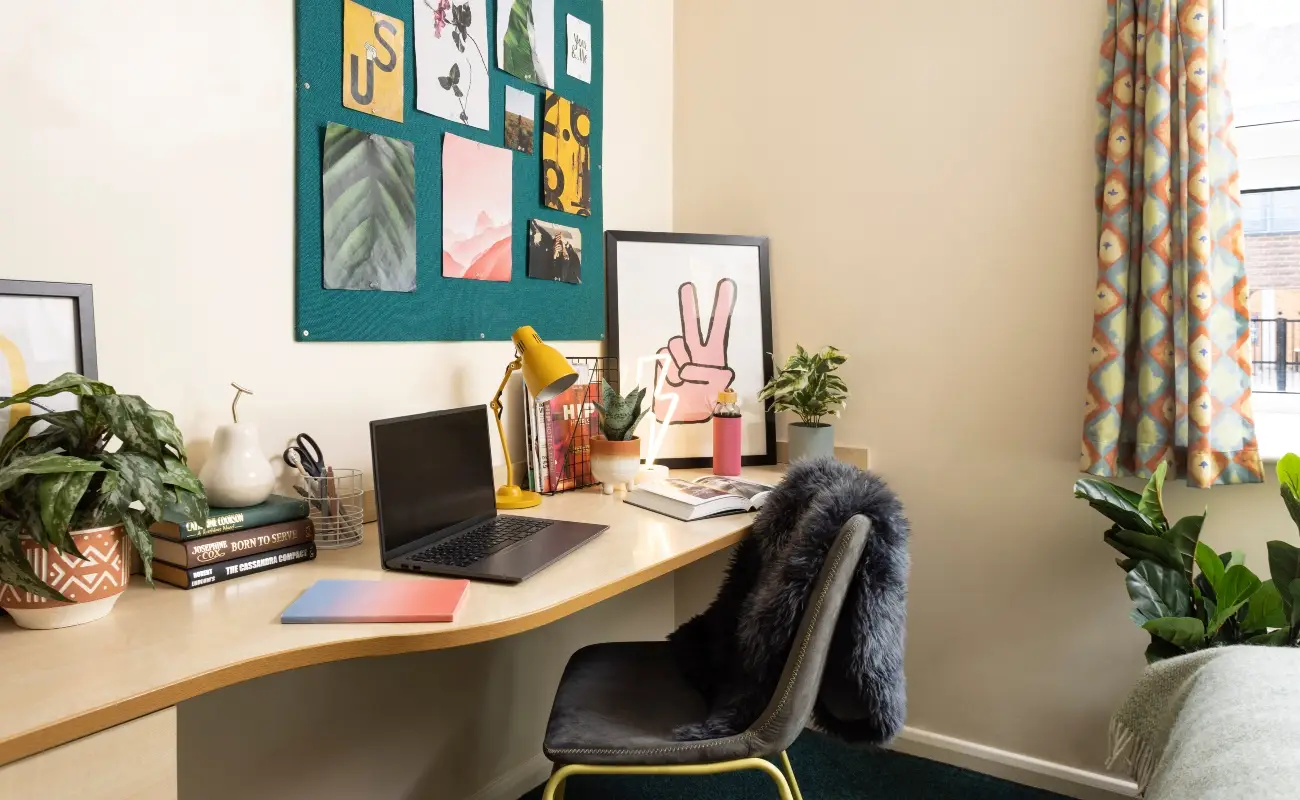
435, 494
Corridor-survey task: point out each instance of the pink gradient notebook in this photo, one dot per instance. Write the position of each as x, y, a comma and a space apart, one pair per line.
428, 600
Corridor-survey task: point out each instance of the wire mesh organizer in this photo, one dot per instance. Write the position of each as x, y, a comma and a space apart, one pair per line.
559, 432
336, 507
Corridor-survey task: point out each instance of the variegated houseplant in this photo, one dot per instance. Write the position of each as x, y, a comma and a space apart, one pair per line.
808, 386
73, 484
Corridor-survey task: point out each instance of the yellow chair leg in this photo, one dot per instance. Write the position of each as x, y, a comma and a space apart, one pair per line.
789, 774
555, 786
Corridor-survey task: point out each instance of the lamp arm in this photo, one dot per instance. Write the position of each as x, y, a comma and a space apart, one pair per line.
496, 412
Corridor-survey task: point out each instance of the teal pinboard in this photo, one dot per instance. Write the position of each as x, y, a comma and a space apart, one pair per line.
442, 309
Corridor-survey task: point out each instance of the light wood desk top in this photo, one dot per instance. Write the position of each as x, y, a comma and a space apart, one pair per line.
165, 645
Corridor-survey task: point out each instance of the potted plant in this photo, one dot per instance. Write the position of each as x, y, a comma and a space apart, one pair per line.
1186, 596
77, 492
616, 453
808, 386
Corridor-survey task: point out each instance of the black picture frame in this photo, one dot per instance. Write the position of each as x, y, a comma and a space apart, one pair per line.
614, 238
83, 296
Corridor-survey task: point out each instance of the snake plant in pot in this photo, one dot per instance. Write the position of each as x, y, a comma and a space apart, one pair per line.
78, 488
616, 453
808, 386
1184, 594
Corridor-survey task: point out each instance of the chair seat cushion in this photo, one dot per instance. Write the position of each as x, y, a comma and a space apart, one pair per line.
619, 702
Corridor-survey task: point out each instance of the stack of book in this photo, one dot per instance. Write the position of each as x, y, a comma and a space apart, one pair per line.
232, 542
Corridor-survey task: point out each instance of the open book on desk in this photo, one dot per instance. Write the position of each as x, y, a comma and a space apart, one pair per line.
709, 496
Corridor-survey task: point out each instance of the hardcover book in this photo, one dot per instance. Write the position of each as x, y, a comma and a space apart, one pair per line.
248, 565
277, 508
422, 600
709, 496
225, 546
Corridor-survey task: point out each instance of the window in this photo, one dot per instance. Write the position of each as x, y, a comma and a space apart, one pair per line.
1263, 38
1271, 211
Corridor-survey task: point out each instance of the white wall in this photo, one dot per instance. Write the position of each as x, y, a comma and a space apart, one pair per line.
149, 151
147, 148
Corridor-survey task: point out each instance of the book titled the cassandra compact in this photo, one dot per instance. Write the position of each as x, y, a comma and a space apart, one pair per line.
424, 600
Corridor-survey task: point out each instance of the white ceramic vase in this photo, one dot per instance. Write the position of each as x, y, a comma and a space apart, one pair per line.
236, 473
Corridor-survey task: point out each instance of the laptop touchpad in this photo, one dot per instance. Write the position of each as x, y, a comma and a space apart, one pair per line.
536, 551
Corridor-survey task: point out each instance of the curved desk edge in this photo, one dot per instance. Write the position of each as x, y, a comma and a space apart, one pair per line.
102, 718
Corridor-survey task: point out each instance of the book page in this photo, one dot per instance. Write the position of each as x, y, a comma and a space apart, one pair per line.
684, 491
741, 488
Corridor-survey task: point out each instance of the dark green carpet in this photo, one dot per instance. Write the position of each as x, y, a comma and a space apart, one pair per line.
826, 769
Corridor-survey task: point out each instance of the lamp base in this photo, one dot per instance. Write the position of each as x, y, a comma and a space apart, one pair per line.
652, 473
512, 497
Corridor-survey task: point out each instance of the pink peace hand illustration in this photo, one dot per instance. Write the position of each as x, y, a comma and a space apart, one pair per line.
698, 370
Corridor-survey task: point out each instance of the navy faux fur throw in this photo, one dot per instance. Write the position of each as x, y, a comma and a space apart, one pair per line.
734, 652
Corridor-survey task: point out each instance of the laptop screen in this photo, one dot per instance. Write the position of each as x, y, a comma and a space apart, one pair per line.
432, 472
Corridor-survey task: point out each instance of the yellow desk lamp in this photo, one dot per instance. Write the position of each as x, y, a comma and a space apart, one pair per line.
546, 374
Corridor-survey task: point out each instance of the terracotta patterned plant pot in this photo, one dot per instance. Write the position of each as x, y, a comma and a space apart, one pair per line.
615, 463
92, 585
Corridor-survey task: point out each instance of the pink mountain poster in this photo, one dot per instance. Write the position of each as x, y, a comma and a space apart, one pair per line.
476, 210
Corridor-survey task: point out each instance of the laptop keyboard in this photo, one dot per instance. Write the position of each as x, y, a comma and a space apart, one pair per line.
481, 541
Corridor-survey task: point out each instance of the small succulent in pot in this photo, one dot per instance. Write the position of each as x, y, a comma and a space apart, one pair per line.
85, 478
616, 456
620, 415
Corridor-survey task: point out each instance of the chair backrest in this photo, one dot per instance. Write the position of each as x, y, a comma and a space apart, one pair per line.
791, 706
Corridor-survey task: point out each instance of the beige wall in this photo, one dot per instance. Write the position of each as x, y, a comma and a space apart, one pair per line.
149, 151
925, 172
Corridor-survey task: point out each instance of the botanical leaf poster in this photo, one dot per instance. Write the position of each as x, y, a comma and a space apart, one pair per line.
554, 252
476, 210
451, 68
368, 186
373, 70
579, 48
519, 120
566, 155
526, 40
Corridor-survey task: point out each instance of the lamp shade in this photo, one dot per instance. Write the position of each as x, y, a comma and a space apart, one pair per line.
546, 372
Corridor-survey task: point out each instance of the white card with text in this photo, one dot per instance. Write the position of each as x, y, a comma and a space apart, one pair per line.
579, 49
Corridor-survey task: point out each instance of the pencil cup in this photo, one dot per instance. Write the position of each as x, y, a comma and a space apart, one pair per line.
336, 507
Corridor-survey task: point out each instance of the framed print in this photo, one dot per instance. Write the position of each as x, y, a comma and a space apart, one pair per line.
705, 302
46, 329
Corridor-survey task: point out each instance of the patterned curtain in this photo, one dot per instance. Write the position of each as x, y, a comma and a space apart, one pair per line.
1170, 367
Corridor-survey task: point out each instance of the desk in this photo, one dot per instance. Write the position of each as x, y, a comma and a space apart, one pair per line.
162, 646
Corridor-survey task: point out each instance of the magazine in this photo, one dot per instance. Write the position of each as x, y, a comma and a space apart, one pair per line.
709, 496
559, 434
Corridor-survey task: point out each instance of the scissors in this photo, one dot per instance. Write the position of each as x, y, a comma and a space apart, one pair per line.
305, 456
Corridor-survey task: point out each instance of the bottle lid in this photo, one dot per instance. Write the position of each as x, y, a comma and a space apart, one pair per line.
727, 396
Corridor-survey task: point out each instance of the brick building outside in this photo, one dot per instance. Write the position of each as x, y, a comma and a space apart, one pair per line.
1273, 265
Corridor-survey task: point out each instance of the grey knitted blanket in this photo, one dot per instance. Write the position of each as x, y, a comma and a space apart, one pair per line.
1220, 724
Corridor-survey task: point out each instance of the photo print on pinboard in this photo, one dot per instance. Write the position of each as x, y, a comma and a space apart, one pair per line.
554, 252
368, 193
519, 120
566, 155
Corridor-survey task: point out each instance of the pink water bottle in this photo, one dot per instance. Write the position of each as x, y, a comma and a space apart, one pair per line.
726, 435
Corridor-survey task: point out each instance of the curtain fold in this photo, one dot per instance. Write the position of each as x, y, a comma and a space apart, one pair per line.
1169, 376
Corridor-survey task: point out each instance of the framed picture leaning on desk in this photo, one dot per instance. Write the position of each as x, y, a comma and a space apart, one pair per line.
704, 301
46, 329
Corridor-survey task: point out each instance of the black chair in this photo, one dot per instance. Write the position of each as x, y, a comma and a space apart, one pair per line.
618, 703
